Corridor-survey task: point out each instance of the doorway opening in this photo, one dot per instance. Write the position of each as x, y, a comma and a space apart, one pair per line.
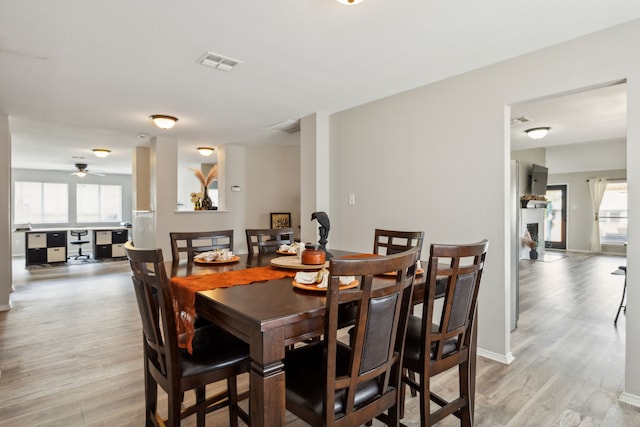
556, 217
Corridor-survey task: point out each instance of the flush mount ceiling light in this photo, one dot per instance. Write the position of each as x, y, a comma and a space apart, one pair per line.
101, 152
163, 122
206, 151
537, 133
349, 2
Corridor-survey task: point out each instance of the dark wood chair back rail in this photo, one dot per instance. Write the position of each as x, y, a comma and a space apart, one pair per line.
193, 243
437, 343
216, 354
387, 242
267, 240
332, 383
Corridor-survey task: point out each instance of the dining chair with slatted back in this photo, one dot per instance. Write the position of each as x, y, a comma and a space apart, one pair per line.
441, 340
193, 243
387, 242
216, 354
330, 383
267, 240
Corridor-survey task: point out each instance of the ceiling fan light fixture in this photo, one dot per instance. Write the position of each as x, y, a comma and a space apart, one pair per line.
101, 152
163, 121
349, 2
205, 151
81, 174
537, 133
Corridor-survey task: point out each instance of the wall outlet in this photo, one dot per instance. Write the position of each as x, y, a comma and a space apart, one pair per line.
352, 199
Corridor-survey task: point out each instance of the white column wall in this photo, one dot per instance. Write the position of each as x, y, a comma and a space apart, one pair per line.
314, 174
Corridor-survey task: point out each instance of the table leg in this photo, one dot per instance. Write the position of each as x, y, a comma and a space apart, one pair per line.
267, 407
267, 380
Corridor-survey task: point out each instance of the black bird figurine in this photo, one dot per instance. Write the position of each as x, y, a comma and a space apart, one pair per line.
325, 226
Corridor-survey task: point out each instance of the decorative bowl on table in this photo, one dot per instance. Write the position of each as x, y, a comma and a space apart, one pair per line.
313, 255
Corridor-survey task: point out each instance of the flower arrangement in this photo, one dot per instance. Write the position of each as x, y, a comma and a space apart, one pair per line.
528, 241
528, 197
201, 200
206, 180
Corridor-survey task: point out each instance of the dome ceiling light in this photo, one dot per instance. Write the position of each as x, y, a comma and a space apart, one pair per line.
101, 152
537, 133
163, 121
206, 151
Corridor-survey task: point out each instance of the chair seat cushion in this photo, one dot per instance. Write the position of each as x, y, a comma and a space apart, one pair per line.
213, 348
414, 339
305, 383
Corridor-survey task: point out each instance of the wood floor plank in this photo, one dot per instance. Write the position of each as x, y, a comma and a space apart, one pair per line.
71, 354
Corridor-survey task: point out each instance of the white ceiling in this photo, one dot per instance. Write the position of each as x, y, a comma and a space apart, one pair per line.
80, 74
590, 116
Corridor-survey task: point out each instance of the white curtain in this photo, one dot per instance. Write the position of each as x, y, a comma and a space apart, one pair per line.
597, 187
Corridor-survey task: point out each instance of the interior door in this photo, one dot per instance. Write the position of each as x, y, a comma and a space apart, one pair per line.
556, 217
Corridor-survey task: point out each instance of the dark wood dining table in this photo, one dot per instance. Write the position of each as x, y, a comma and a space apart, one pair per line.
270, 316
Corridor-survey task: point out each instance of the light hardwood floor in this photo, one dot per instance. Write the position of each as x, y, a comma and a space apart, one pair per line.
70, 351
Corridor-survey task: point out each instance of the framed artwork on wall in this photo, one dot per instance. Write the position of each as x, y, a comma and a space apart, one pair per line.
280, 219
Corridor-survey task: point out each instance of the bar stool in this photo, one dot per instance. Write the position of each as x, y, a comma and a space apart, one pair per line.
79, 242
622, 270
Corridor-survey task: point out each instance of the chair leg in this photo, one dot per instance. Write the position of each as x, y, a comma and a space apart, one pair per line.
200, 397
232, 395
425, 400
401, 398
150, 397
412, 375
174, 412
466, 413
624, 291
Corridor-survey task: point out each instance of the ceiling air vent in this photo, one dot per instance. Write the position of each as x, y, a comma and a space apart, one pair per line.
518, 120
287, 126
218, 62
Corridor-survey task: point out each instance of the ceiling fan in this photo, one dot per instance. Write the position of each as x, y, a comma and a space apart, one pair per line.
81, 171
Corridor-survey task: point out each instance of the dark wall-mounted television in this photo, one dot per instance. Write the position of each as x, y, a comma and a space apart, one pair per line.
539, 180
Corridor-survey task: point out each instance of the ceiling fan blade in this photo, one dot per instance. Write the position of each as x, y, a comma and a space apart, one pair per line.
96, 173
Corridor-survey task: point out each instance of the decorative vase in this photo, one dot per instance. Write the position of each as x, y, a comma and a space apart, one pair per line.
533, 254
207, 204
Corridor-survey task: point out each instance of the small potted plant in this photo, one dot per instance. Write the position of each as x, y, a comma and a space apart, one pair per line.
532, 244
526, 198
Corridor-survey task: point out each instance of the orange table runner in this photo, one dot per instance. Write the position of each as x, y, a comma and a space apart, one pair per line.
183, 292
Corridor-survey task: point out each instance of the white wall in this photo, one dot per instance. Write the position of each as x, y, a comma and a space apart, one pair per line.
269, 181
5, 213
579, 208
572, 165
437, 159
272, 185
587, 157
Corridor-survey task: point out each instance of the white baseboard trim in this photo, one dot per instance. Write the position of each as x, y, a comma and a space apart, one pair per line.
6, 307
631, 399
502, 358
